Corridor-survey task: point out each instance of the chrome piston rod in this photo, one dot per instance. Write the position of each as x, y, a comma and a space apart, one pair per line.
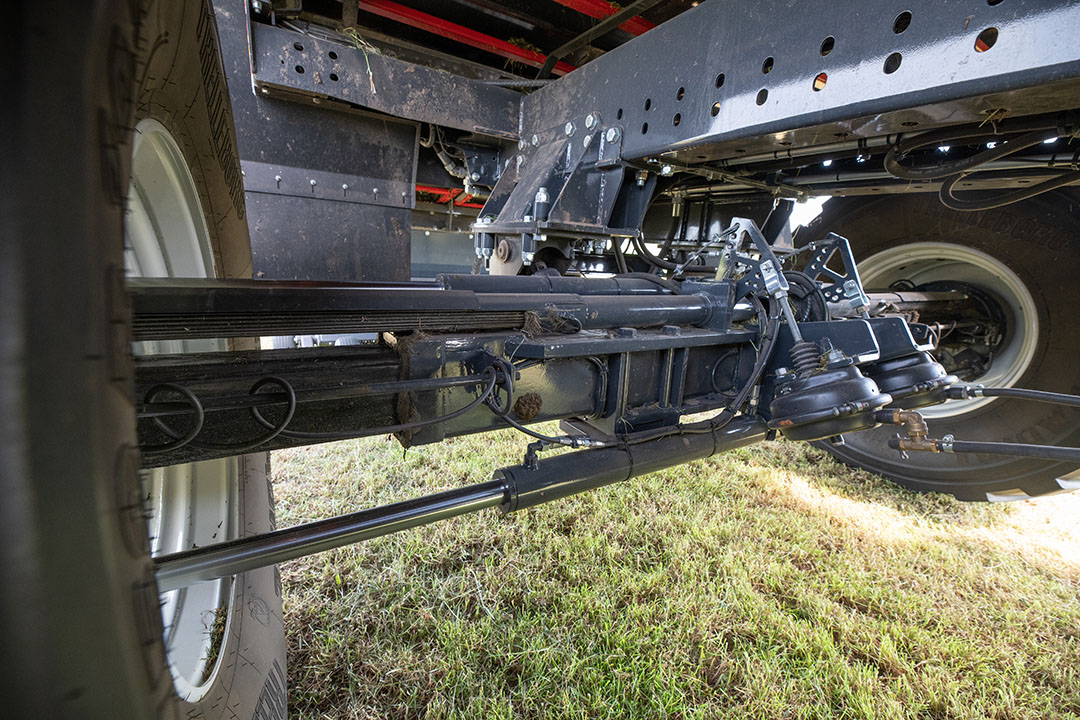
235, 556
513, 488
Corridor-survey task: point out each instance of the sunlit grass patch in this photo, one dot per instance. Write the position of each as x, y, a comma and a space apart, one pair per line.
767, 582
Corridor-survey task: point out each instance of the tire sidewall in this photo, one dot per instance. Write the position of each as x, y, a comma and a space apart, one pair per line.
79, 606
182, 86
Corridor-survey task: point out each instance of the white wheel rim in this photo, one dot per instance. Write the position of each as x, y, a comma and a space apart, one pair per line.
934, 261
194, 504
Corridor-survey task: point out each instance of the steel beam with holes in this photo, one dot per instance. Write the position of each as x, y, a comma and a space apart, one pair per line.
725, 79
310, 68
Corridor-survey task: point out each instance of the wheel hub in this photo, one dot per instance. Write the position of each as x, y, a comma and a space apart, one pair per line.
993, 341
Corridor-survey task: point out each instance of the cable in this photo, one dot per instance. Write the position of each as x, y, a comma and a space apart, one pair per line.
237, 448
179, 440
503, 412
1043, 452
240, 402
945, 169
770, 321
1036, 131
963, 392
402, 427
508, 373
950, 200
815, 306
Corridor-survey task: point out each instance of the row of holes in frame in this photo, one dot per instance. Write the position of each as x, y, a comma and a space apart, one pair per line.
983, 42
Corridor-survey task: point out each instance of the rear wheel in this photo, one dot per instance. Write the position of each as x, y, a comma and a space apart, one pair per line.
1021, 262
112, 94
196, 504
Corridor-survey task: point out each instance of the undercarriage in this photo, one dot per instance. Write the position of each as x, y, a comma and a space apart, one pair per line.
390, 219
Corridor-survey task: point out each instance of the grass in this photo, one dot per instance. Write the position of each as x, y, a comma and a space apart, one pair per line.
769, 582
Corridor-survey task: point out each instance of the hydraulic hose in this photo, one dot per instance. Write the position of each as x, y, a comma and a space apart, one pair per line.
942, 170
950, 200
1042, 452
1036, 130
963, 392
647, 255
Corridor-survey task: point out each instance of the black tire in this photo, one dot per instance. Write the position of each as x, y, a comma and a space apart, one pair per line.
1038, 241
79, 604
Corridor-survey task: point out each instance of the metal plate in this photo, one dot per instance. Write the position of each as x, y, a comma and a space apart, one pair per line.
294, 238
320, 231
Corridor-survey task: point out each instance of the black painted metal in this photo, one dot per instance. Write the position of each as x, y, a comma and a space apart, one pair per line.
624, 340
321, 69
320, 231
708, 66
200, 308
894, 338
557, 284
572, 473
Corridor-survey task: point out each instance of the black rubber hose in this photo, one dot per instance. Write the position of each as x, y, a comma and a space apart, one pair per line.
646, 254
961, 392
948, 197
983, 130
1042, 452
941, 170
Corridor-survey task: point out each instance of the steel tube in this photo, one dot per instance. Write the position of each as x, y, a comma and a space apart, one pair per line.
554, 284
236, 308
216, 561
576, 472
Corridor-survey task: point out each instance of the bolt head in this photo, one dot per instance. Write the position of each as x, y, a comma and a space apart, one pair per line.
312, 183
344, 186
590, 121
667, 170
568, 129
535, 140
612, 134
522, 144
475, 176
